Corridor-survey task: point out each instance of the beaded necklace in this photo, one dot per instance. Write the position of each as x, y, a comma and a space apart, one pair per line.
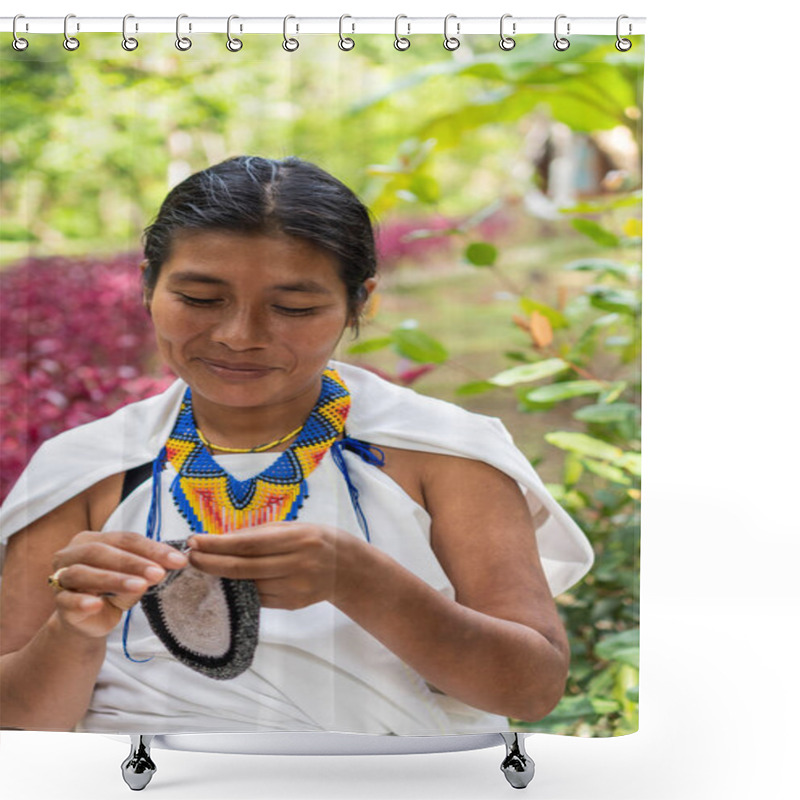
213, 501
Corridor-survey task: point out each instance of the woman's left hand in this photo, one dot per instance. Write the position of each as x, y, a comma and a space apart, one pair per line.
293, 564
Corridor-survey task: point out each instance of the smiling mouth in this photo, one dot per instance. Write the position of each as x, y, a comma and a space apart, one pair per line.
228, 370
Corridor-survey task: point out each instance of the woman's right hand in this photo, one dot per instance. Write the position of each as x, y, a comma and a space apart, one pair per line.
105, 574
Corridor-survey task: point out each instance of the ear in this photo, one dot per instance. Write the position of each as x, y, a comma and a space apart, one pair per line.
369, 285
367, 288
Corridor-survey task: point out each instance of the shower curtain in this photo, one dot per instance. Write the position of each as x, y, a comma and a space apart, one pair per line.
506, 188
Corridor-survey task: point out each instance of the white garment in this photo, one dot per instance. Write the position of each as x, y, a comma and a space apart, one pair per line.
314, 668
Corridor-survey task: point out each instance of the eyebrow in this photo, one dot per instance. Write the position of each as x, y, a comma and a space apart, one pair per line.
303, 286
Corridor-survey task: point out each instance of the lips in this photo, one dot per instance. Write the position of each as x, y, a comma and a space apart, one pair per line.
242, 370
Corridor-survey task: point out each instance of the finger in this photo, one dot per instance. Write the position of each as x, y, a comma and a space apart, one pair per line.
93, 581
272, 539
76, 607
106, 554
160, 552
245, 568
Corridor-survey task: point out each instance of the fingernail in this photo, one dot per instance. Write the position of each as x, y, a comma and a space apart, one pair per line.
154, 573
136, 584
176, 559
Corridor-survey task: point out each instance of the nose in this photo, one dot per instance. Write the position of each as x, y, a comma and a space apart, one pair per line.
242, 328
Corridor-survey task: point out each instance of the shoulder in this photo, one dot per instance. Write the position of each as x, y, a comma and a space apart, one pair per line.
399, 414
80, 458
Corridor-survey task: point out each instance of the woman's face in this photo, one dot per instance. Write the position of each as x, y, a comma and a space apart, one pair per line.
248, 320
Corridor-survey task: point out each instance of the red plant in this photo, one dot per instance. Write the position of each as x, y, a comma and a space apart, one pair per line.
75, 345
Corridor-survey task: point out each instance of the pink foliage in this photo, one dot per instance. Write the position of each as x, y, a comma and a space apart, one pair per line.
75, 345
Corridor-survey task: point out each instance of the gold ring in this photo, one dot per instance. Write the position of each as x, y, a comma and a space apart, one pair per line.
53, 580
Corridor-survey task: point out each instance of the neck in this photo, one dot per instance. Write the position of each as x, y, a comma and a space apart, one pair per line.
246, 428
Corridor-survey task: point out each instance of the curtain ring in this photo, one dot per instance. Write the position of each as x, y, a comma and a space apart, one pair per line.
18, 44
70, 42
183, 43
400, 42
345, 42
506, 42
128, 42
451, 42
289, 45
560, 43
623, 45
234, 45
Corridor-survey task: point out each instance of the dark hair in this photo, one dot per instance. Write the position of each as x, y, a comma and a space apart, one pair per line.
253, 195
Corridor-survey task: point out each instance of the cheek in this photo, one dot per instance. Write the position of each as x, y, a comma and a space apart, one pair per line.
171, 322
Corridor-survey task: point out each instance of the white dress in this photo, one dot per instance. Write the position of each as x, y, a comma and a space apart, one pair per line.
314, 669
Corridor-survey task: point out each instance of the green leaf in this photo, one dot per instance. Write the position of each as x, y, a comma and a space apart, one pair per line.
573, 469
620, 300
596, 232
571, 708
583, 444
370, 345
622, 646
614, 391
473, 388
425, 188
418, 346
555, 317
563, 391
606, 413
604, 266
630, 461
481, 254
604, 705
525, 373
610, 473
595, 207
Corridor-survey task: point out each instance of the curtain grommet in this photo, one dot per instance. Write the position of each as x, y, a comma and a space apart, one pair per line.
70, 42
345, 42
561, 43
129, 43
18, 43
289, 44
507, 42
400, 42
182, 43
451, 42
234, 45
623, 45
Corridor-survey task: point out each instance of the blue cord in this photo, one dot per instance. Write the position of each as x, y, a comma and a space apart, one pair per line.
370, 454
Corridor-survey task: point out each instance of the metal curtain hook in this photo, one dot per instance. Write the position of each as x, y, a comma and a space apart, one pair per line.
18, 44
128, 42
70, 42
623, 45
506, 42
182, 42
290, 45
345, 42
234, 45
560, 42
451, 42
400, 42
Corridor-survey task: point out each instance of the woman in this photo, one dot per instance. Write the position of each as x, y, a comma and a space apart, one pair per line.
387, 540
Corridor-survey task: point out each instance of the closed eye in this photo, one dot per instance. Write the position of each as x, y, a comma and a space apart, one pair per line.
295, 311
197, 301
